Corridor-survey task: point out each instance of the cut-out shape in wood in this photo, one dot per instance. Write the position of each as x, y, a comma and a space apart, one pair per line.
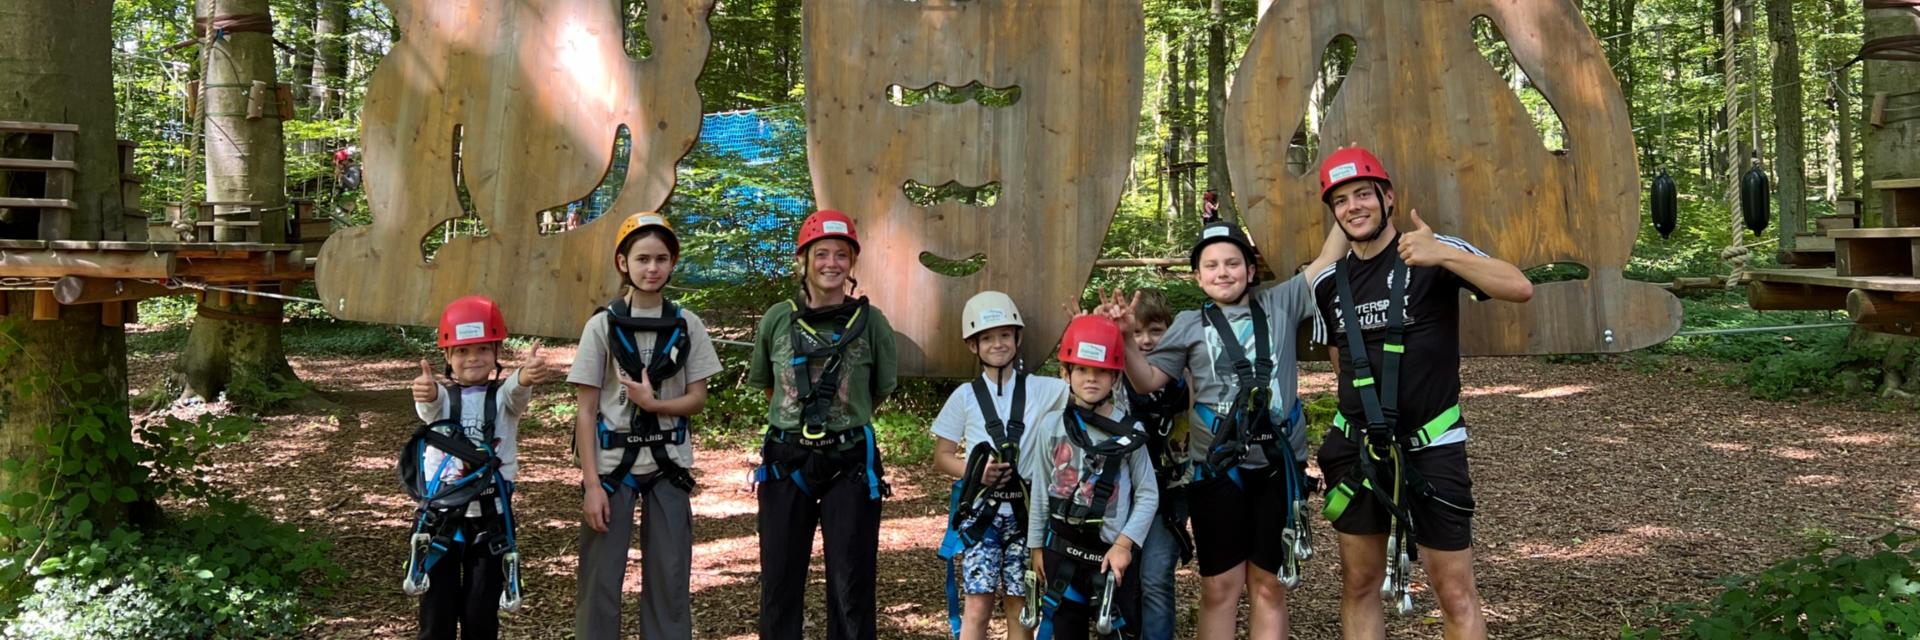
1464, 152
537, 91
1060, 153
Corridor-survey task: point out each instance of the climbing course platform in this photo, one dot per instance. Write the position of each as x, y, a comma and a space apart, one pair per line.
1875, 272
262, 250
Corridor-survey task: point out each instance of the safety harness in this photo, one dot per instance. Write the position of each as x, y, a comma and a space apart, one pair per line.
671, 343
814, 458
1397, 485
974, 504
1157, 412
441, 508
1250, 423
1073, 530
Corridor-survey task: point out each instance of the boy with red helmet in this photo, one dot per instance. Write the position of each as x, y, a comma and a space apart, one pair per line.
1094, 497
1396, 460
826, 361
463, 556
639, 377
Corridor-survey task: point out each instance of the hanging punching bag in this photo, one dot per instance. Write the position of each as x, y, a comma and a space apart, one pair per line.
1666, 214
1754, 201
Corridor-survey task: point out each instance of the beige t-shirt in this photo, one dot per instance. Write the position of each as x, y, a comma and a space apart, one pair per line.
595, 366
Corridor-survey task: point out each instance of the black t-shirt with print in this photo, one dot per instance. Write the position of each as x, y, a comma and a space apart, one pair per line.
1430, 367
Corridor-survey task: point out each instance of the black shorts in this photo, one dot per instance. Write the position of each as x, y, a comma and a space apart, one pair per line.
1232, 525
1436, 526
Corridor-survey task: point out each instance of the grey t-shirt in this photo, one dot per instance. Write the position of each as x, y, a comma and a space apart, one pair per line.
1192, 347
1058, 470
595, 366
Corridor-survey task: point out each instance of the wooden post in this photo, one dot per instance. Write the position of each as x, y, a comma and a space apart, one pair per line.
1882, 308
3, 303
112, 314
132, 312
253, 299
44, 306
225, 299
1776, 296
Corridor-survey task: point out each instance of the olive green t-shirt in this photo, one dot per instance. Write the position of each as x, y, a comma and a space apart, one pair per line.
869, 375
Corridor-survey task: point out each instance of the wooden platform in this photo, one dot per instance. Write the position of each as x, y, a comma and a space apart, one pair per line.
1879, 251
212, 262
1901, 198
1888, 304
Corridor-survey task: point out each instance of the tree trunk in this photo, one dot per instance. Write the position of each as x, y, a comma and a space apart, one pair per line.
1889, 150
329, 56
1191, 143
55, 67
239, 344
1217, 178
1176, 130
1844, 98
300, 62
1789, 125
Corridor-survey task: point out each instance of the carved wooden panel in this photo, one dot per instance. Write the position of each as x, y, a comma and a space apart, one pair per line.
1463, 151
531, 94
1059, 153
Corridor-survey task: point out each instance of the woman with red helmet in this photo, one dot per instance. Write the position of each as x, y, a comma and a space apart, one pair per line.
462, 556
826, 360
1094, 497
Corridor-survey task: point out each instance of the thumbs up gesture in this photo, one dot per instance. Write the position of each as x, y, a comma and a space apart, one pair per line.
426, 387
1420, 247
538, 370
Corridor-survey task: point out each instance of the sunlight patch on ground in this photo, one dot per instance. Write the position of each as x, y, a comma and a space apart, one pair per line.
1729, 447
1475, 392
1818, 480
1860, 439
1796, 453
1557, 392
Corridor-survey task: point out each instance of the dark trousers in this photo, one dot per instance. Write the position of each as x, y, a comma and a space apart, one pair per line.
1075, 620
465, 593
850, 522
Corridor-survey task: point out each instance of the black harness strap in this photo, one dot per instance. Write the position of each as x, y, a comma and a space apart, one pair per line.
1380, 404
817, 397
1249, 420
671, 343
979, 502
1074, 531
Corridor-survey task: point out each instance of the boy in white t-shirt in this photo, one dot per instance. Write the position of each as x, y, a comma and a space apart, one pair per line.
979, 436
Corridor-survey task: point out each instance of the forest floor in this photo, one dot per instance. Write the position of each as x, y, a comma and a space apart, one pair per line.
1604, 491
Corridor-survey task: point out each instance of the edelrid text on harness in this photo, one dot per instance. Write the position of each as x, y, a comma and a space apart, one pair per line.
442, 508
1249, 422
814, 458
1398, 485
974, 504
1073, 529
671, 344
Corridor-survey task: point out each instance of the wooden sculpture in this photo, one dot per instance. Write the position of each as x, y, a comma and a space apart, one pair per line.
1462, 151
529, 95
1060, 152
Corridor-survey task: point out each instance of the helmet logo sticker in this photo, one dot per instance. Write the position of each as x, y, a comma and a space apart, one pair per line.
993, 315
1091, 351
470, 330
1342, 172
1215, 232
833, 226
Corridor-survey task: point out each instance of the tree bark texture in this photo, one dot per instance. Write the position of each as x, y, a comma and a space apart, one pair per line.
55, 66
1789, 123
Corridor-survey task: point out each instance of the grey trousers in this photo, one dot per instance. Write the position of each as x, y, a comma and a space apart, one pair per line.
666, 563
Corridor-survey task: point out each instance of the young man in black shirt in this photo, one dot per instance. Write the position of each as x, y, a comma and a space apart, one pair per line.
1396, 461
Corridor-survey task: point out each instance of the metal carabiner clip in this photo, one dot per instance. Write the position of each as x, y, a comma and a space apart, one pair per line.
1030, 614
417, 581
806, 431
1109, 608
510, 597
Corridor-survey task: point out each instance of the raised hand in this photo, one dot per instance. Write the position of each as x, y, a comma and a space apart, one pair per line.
1116, 306
1419, 247
538, 371
426, 387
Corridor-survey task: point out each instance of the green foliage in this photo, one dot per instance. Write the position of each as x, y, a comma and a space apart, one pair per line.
223, 572
1320, 410
1824, 593
1774, 366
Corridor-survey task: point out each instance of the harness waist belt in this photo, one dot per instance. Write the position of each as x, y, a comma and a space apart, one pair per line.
1427, 434
622, 440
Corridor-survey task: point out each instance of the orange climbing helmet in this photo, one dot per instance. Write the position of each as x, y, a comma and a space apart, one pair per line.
1348, 164
1093, 341
471, 320
643, 220
826, 223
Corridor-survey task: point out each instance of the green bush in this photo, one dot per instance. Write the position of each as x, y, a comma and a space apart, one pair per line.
224, 572
1823, 593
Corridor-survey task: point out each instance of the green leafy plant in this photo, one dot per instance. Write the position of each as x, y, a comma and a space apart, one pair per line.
1823, 593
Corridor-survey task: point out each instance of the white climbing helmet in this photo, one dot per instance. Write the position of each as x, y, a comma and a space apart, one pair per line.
987, 310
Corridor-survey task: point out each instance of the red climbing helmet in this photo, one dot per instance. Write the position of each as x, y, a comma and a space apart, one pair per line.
471, 320
827, 223
1348, 164
1093, 341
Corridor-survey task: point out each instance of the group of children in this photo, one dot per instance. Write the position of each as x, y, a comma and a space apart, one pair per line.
1072, 495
